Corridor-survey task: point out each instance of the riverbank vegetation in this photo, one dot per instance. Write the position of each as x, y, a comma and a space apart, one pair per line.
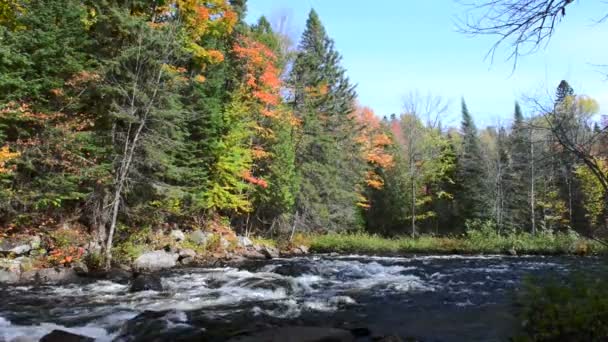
474, 242
118, 118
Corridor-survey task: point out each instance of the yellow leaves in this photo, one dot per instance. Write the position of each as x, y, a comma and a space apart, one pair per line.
5, 156
200, 78
10, 10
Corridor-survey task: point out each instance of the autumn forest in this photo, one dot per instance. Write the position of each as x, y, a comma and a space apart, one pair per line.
120, 115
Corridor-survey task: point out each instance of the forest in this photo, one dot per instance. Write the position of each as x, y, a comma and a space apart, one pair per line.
121, 115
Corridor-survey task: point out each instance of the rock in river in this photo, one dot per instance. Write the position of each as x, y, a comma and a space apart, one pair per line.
64, 336
155, 261
146, 282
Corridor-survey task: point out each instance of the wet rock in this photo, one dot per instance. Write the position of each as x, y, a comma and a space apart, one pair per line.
512, 251
146, 282
187, 253
64, 336
296, 269
155, 261
177, 235
268, 252
51, 276
297, 334
200, 237
7, 277
244, 241
158, 326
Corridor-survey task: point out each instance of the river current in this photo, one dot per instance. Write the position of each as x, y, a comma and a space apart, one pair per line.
430, 298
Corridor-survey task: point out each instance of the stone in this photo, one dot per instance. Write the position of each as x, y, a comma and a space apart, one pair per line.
297, 334
146, 282
25, 264
224, 243
7, 277
269, 252
155, 261
17, 246
512, 251
244, 241
177, 235
303, 249
200, 237
35, 242
52, 275
187, 253
10, 265
187, 261
64, 336
252, 253
80, 268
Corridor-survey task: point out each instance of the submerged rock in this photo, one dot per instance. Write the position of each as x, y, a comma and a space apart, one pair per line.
155, 261
64, 336
297, 334
146, 282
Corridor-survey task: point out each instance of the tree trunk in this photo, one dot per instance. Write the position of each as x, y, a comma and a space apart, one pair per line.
532, 191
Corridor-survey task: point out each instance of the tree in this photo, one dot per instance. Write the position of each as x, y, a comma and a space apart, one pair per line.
472, 198
327, 156
526, 24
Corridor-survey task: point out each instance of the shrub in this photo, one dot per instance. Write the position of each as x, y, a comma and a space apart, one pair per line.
576, 310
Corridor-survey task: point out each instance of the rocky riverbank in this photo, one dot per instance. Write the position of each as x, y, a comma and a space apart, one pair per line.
28, 259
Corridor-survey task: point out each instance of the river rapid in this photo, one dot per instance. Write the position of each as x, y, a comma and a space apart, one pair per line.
429, 298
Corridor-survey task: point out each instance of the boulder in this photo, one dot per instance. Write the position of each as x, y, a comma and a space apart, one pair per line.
187, 253
268, 252
20, 246
7, 277
252, 253
224, 243
200, 237
80, 268
146, 282
187, 261
177, 235
51, 275
303, 249
10, 265
155, 261
244, 241
297, 334
64, 336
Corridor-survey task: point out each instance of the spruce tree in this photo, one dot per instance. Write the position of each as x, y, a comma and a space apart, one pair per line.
327, 156
519, 177
472, 199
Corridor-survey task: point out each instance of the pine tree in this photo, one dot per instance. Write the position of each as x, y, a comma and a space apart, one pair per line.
327, 156
472, 199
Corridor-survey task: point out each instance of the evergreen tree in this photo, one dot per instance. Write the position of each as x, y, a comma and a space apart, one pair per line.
327, 156
472, 199
518, 176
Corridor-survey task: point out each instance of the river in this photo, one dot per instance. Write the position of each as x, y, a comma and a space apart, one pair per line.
430, 298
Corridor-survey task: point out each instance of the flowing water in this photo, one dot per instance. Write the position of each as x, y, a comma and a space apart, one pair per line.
431, 298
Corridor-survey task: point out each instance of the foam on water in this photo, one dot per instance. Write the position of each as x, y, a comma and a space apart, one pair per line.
10, 332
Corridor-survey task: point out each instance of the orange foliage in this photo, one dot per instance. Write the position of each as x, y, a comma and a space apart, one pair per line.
373, 143
5, 156
254, 180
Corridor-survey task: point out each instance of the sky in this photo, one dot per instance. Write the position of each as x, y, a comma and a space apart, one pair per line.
393, 47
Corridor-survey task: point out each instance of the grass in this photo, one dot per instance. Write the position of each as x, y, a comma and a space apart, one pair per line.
474, 242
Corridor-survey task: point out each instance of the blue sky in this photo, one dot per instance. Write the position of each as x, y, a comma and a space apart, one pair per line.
392, 47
